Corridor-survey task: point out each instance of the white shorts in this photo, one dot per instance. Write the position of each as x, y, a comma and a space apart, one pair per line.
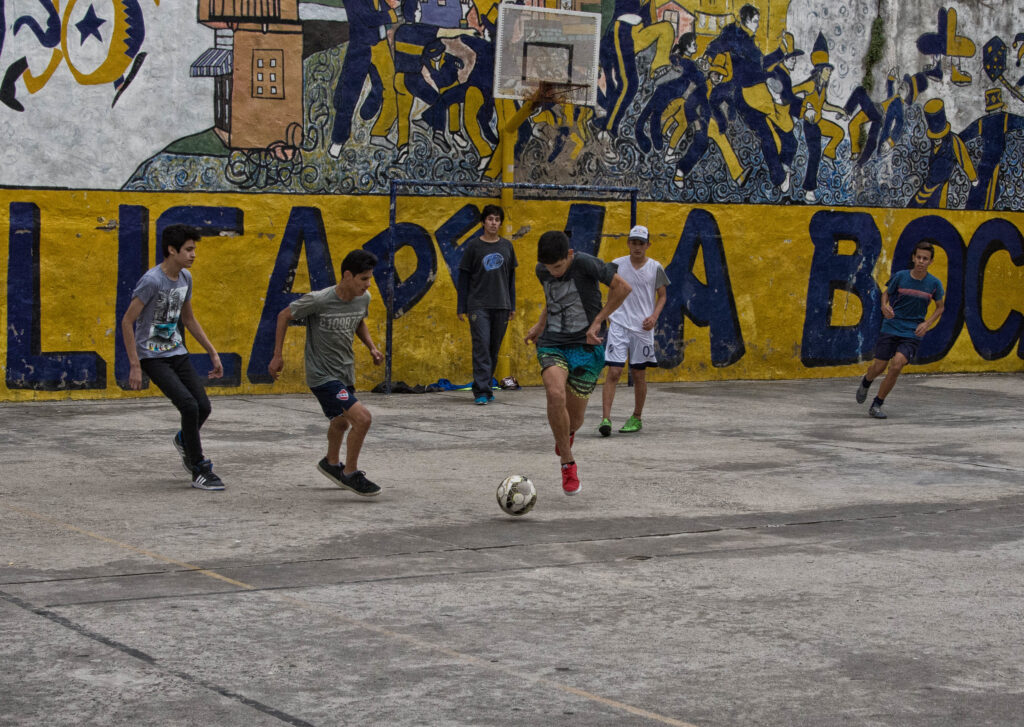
624, 344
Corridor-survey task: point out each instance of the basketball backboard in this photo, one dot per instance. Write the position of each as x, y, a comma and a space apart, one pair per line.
556, 47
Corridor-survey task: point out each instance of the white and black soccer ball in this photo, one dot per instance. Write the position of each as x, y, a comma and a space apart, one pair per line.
516, 495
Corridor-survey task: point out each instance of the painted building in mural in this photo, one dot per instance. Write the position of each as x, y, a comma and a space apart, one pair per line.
785, 153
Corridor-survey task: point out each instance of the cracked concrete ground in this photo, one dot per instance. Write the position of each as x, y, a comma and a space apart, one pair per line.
763, 553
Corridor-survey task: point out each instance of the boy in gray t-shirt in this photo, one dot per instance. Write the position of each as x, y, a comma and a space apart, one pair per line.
162, 301
333, 318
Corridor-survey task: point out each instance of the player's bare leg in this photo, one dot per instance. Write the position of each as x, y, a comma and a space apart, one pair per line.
555, 379
639, 391
565, 415
356, 421
611, 380
895, 369
335, 434
359, 418
576, 406
877, 366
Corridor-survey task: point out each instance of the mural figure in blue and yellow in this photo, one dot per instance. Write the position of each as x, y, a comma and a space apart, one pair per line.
631, 31
443, 69
119, 67
368, 56
752, 100
779, 65
948, 153
811, 104
991, 129
884, 121
946, 42
686, 87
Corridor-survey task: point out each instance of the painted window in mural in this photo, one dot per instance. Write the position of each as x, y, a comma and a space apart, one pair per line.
268, 74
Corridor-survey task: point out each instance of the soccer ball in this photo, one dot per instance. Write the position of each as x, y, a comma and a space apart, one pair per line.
516, 495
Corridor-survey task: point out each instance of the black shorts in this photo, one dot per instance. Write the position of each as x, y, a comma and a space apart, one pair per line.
889, 345
335, 398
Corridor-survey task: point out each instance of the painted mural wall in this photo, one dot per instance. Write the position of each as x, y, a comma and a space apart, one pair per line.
787, 155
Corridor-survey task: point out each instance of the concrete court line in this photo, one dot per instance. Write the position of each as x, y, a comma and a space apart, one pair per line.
324, 611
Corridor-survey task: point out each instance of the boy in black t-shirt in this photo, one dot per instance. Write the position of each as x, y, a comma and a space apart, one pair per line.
487, 293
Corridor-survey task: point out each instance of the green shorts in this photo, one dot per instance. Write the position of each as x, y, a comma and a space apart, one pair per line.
583, 364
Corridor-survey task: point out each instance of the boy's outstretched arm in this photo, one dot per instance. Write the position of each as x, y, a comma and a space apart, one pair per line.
128, 334
363, 331
661, 297
192, 324
617, 292
284, 318
925, 325
887, 310
537, 328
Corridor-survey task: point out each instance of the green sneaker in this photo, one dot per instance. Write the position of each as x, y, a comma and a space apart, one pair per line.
606, 427
633, 424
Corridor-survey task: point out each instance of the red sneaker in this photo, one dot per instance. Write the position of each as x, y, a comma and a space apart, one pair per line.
572, 438
570, 482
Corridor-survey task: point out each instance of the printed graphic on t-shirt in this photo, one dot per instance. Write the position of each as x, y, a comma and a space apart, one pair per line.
163, 333
340, 323
493, 261
566, 313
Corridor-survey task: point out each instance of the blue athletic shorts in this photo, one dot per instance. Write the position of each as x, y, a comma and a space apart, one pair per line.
583, 363
889, 345
335, 398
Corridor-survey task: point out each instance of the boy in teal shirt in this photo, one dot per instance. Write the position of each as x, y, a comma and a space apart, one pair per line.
905, 303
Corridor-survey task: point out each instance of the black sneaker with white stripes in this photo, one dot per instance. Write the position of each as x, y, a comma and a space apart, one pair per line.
180, 446
203, 477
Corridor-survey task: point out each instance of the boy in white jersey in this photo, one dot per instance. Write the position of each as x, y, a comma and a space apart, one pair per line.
631, 329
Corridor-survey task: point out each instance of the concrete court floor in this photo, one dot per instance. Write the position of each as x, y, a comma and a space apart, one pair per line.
763, 553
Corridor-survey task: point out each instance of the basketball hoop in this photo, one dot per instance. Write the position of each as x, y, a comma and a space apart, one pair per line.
553, 92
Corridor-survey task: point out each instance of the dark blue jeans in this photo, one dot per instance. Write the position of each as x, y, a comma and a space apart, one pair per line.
487, 328
179, 382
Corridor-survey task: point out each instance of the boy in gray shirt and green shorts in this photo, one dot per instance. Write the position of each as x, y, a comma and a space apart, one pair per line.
568, 337
333, 318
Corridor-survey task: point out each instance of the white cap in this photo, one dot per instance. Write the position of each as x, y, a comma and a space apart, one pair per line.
639, 233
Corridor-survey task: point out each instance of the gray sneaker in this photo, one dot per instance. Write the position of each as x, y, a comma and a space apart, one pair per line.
877, 413
862, 392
